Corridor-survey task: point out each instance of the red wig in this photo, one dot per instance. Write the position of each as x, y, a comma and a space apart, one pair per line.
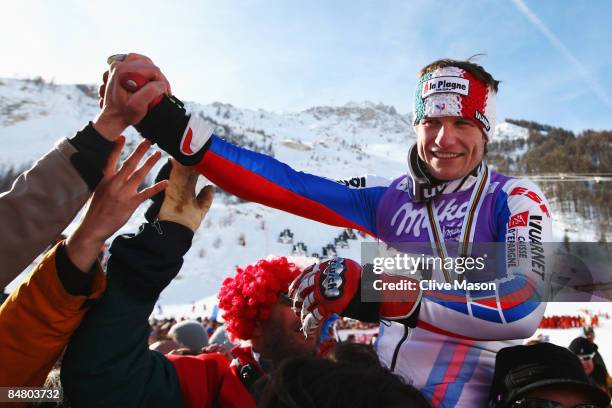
249, 296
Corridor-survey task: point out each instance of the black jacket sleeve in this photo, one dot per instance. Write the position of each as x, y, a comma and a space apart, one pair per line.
92, 151
108, 362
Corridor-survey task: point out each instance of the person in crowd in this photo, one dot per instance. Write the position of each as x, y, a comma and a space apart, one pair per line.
108, 362
587, 353
257, 309
190, 335
220, 340
542, 376
600, 371
350, 339
449, 196
45, 199
165, 346
311, 382
38, 318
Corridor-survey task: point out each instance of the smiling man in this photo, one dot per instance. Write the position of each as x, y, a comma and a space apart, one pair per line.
443, 342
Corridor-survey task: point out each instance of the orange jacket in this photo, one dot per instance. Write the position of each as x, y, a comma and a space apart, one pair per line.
36, 322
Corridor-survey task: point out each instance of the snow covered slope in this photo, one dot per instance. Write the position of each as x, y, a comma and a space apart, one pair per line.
337, 142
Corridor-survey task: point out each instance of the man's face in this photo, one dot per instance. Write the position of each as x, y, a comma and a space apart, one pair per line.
587, 364
450, 146
281, 336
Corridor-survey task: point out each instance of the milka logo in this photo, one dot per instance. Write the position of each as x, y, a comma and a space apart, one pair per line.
411, 221
451, 233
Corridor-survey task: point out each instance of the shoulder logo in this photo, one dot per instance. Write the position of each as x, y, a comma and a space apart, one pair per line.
186, 143
522, 191
519, 220
355, 182
195, 136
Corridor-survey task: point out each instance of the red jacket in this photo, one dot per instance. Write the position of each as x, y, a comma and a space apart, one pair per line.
209, 380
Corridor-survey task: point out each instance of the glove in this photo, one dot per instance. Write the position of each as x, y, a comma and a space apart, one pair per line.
334, 286
167, 123
178, 202
324, 289
182, 136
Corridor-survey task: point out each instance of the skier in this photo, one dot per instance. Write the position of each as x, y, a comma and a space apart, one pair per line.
445, 341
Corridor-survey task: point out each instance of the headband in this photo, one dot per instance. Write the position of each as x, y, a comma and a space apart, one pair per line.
452, 91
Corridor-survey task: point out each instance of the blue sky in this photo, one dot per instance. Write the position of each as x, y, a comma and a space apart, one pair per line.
554, 57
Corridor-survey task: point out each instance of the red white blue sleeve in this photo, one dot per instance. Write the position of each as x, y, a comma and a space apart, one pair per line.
515, 308
265, 180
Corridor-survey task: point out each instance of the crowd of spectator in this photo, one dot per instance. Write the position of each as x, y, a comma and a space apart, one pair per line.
568, 322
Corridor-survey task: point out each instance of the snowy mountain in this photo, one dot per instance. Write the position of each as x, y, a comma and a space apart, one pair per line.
338, 142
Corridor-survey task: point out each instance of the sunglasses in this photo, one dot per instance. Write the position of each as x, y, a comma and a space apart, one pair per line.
586, 357
544, 403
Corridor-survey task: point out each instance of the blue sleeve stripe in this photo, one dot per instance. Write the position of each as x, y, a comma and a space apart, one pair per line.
357, 205
485, 313
522, 310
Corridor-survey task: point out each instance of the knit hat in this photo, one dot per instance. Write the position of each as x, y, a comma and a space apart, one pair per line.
581, 346
521, 369
220, 337
190, 334
452, 91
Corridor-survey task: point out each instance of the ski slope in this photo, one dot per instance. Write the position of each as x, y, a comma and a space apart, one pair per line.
339, 142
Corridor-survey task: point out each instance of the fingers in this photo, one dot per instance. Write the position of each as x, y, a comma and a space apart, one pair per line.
299, 288
144, 64
101, 92
205, 198
113, 158
307, 285
151, 191
142, 68
139, 175
102, 88
132, 56
308, 305
183, 177
115, 57
311, 322
296, 282
145, 95
130, 164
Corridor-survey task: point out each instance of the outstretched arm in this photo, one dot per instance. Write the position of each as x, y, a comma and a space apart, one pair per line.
263, 179
249, 175
45, 199
108, 362
42, 313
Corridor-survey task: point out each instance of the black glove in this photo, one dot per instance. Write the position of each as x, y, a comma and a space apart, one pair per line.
184, 137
